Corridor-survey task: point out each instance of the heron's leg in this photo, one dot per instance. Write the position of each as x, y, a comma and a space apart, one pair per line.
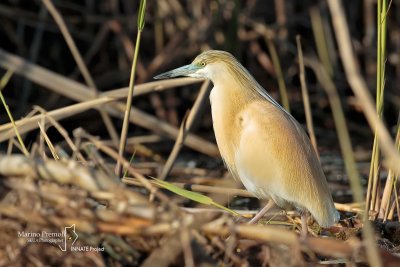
304, 226
262, 212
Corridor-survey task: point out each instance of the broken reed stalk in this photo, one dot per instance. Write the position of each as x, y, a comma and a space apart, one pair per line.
48, 141
390, 186
76, 153
113, 154
125, 124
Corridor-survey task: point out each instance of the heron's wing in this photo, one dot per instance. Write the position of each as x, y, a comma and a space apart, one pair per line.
275, 158
268, 151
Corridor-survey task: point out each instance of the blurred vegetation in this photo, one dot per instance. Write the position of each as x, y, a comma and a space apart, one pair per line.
262, 36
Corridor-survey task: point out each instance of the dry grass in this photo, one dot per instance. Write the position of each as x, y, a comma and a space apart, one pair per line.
67, 175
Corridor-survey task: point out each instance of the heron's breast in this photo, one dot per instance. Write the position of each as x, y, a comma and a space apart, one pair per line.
226, 123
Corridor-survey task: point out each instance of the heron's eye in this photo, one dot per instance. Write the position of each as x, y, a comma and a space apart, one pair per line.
203, 64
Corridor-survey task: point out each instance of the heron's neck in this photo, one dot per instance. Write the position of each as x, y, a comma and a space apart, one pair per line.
235, 85
229, 98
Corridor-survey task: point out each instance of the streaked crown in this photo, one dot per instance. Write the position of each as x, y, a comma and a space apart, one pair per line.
214, 56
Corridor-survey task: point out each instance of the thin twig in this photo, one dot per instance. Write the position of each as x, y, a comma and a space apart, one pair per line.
112, 153
125, 123
70, 42
3, 83
48, 142
63, 132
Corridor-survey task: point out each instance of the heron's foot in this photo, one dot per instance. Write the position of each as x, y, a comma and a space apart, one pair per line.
304, 227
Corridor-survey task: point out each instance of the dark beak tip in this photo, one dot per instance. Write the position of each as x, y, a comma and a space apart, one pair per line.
158, 77
179, 72
162, 76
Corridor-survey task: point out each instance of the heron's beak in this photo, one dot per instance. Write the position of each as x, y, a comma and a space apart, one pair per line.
187, 70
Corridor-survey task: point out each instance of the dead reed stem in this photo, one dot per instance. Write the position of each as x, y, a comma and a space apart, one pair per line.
360, 90
306, 100
359, 86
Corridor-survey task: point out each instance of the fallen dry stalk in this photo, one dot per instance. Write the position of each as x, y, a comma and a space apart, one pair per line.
230, 192
126, 213
272, 234
198, 188
28, 124
65, 173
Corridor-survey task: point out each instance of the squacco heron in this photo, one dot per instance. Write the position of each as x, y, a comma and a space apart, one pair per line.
260, 142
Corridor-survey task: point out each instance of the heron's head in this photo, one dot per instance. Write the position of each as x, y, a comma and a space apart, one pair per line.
208, 65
